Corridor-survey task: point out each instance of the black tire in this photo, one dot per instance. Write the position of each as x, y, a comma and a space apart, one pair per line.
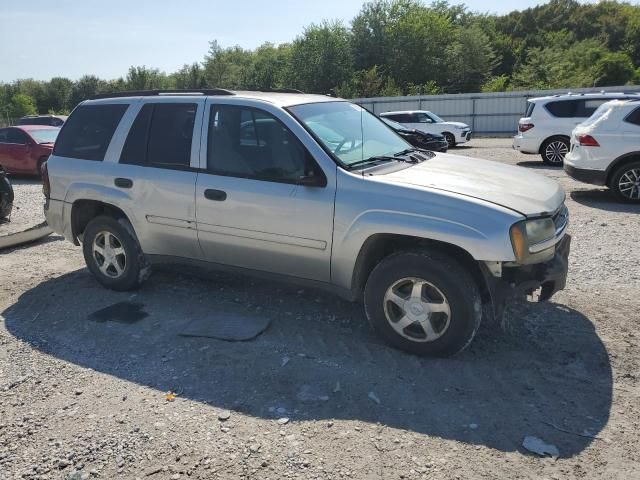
554, 149
450, 138
133, 264
628, 192
453, 282
40, 162
6, 195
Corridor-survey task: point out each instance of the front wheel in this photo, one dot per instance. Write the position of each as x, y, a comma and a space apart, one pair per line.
625, 182
554, 150
112, 253
450, 138
423, 303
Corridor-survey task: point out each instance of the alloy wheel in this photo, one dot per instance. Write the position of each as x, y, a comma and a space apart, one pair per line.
109, 254
417, 310
556, 151
629, 184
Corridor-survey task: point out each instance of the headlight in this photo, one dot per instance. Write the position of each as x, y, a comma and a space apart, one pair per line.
464, 127
533, 240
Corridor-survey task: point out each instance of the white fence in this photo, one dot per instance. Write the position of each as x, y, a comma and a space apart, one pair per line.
486, 113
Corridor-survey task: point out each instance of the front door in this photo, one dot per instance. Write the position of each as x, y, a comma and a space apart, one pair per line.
252, 208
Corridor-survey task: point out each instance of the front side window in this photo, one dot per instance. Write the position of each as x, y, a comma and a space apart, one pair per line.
435, 117
250, 143
88, 131
422, 118
161, 136
17, 136
348, 131
590, 106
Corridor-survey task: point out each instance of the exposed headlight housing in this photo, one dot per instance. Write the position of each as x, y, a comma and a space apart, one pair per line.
534, 240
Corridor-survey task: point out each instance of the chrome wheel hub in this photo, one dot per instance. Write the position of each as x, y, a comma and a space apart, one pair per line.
629, 184
109, 254
417, 310
556, 151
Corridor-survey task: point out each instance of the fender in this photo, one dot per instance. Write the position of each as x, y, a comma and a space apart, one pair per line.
479, 245
619, 161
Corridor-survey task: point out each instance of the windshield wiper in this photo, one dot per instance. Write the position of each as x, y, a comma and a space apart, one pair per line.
414, 159
377, 158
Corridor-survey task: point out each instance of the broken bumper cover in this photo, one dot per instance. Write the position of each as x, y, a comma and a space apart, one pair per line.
517, 282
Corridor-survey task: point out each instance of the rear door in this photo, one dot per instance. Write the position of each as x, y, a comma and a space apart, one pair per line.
157, 170
252, 211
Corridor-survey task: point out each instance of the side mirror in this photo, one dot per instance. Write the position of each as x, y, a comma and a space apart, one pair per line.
312, 179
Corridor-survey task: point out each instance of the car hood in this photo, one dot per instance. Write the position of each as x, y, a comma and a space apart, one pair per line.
512, 187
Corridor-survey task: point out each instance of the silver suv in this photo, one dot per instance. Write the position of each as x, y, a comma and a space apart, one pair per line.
309, 188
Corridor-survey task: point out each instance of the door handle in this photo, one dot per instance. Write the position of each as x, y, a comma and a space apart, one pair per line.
216, 195
123, 182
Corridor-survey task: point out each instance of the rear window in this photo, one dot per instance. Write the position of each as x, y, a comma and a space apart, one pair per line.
88, 131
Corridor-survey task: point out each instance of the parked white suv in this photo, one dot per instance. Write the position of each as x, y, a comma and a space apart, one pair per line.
429, 122
605, 150
546, 127
309, 188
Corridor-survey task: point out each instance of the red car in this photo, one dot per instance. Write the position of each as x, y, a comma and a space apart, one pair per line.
25, 147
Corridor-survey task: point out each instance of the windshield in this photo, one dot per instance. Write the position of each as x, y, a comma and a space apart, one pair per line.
350, 132
435, 117
46, 135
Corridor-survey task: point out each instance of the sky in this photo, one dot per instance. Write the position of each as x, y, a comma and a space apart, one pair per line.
41, 39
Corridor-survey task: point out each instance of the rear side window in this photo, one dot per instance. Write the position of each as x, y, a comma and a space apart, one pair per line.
17, 136
565, 108
88, 131
161, 136
530, 108
633, 117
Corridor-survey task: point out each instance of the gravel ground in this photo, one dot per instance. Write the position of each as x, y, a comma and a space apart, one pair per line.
27, 206
317, 395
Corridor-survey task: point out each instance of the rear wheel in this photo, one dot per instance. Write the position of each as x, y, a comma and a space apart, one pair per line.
423, 303
112, 253
625, 182
39, 165
554, 150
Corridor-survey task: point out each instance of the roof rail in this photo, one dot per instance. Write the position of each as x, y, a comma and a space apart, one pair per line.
151, 93
279, 90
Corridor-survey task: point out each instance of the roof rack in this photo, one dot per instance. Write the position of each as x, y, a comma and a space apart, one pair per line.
151, 93
279, 90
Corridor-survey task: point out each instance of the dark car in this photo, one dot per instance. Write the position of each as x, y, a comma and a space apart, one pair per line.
427, 141
50, 120
23, 149
6, 196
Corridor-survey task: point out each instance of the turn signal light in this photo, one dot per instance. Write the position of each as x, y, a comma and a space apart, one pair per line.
588, 141
523, 127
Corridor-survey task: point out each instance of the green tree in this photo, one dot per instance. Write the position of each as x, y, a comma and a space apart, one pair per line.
472, 60
85, 88
144, 78
613, 69
20, 105
189, 76
321, 58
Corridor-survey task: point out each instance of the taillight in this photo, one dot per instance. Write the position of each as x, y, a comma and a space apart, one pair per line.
588, 141
44, 174
523, 127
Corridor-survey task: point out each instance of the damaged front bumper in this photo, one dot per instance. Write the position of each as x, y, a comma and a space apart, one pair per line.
519, 281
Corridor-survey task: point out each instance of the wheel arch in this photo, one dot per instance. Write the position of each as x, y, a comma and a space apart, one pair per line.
550, 138
379, 246
619, 162
84, 210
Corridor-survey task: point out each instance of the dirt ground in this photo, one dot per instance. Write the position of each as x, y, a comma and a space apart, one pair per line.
317, 395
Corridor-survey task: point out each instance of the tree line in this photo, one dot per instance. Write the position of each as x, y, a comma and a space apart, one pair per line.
395, 47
